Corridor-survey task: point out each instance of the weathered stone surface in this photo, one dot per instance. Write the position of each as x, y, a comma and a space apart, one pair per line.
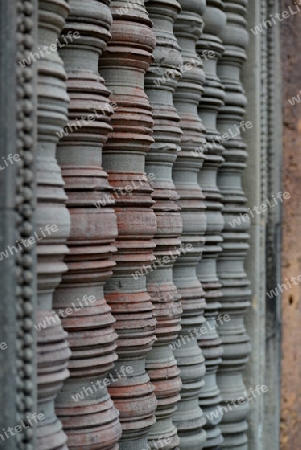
17, 215
160, 83
123, 66
291, 244
235, 285
88, 414
53, 351
148, 215
189, 418
210, 50
18, 103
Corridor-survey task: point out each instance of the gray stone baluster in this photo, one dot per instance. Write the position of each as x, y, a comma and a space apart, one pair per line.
235, 285
88, 414
160, 84
53, 221
123, 66
189, 417
210, 50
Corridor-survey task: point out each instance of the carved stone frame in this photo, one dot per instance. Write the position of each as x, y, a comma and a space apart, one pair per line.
18, 21
262, 179
262, 81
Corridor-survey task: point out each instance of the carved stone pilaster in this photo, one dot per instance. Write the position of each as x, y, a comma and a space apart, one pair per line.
160, 83
210, 50
53, 351
189, 418
88, 414
123, 66
235, 284
18, 294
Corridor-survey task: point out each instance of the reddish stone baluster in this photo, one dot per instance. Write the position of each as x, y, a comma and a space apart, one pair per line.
123, 67
88, 414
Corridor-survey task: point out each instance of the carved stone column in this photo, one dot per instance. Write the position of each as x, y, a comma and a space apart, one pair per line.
160, 84
53, 222
88, 414
235, 285
210, 50
18, 358
123, 66
189, 418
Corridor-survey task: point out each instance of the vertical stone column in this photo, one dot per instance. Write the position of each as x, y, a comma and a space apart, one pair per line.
210, 50
88, 414
160, 83
189, 418
123, 66
53, 222
235, 284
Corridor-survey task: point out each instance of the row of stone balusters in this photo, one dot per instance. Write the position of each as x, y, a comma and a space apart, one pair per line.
89, 417
84, 406
140, 129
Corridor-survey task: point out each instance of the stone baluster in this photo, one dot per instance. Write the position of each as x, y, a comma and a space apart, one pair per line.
53, 221
189, 418
123, 66
160, 83
88, 414
210, 50
235, 285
